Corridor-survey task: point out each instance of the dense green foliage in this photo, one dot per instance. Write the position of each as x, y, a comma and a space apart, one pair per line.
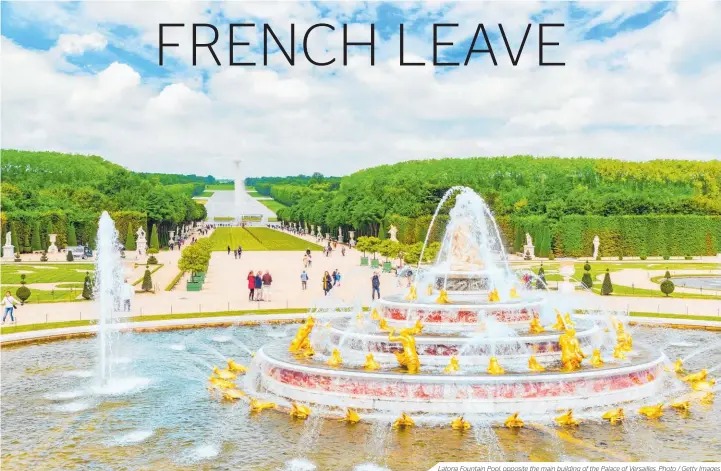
69, 256
147, 281
59, 190
72, 237
196, 257
88, 286
154, 243
257, 238
130, 238
561, 202
23, 292
667, 286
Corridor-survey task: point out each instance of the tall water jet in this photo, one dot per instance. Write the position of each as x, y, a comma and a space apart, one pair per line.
108, 283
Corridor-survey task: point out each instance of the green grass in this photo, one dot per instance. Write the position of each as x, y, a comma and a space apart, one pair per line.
223, 218
38, 296
153, 270
220, 187
257, 238
175, 281
58, 274
675, 316
273, 205
199, 201
620, 290
206, 194
71, 285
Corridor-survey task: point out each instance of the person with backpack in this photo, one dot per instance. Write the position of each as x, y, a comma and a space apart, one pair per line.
304, 280
10, 304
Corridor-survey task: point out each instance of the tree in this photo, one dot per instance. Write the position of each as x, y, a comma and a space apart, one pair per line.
72, 237
382, 233
23, 293
35, 242
147, 281
14, 237
389, 248
587, 266
88, 286
129, 239
69, 258
44, 256
587, 279
50, 230
606, 287
667, 286
541, 280
667, 275
154, 244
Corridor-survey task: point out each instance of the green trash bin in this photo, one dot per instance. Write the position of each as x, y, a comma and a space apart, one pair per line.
387, 267
193, 286
364, 261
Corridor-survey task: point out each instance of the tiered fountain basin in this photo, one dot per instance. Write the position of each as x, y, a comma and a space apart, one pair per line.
470, 348
462, 314
284, 377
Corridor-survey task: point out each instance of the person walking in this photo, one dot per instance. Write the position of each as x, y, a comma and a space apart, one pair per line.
267, 281
258, 286
376, 284
171, 244
235, 254
126, 292
337, 278
251, 285
333, 276
304, 280
342, 251
240, 251
305, 261
229, 250
327, 283
10, 304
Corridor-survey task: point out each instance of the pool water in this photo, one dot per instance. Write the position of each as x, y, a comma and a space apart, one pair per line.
156, 414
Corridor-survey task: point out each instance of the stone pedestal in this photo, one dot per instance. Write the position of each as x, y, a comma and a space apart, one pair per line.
566, 269
8, 252
141, 243
529, 252
53, 248
351, 235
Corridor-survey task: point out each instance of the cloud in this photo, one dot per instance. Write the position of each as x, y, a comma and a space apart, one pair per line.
77, 44
639, 94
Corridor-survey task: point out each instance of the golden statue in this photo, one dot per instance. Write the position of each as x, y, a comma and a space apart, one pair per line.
383, 325
494, 368
678, 367
299, 411
302, 337
464, 248
514, 421
559, 325
223, 374
493, 296
415, 330
443, 297
371, 364
536, 327
703, 385
623, 338
412, 295
221, 383
514, 294
429, 290
618, 352
408, 358
351, 416
567, 419
308, 352
693, 377
459, 424
374, 315
453, 365
256, 405
233, 394
236, 367
614, 416
567, 320
596, 360
652, 412
533, 365
708, 398
403, 421
571, 353
681, 405
335, 359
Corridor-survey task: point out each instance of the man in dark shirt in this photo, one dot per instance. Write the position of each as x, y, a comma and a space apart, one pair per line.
376, 284
267, 280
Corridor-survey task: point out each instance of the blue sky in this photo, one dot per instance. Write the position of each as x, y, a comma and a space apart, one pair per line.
105, 54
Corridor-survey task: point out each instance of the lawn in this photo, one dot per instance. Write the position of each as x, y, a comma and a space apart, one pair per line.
257, 238
619, 290
220, 187
223, 218
47, 273
41, 296
200, 201
273, 205
206, 194
600, 267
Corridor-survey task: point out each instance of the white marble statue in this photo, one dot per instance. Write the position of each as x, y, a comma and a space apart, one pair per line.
53, 248
141, 243
8, 248
340, 235
596, 245
392, 233
529, 241
8, 239
529, 252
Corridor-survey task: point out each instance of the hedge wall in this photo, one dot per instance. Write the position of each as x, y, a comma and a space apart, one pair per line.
23, 223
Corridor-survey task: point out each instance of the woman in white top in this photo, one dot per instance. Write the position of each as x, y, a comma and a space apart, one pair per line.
9, 303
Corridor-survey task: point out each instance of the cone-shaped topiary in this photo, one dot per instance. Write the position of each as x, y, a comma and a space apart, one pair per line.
35, 242
72, 237
14, 238
667, 286
88, 286
69, 258
541, 281
154, 243
147, 281
667, 275
129, 239
607, 287
587, 280
50, 230
382, 233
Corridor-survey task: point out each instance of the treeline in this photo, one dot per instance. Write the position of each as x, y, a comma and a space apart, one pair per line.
542, 192
197, 181
50, 192
290, 190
